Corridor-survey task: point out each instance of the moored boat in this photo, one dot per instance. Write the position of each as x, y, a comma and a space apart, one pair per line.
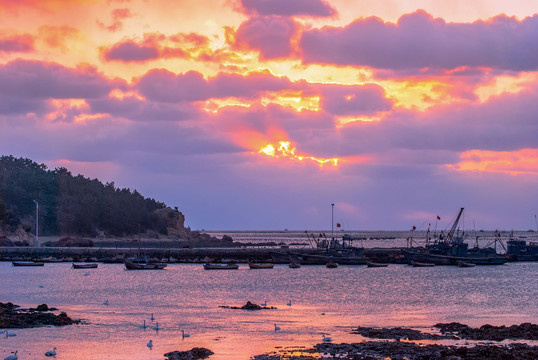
228, 266
84, 266
131, 265
253, 265
27, 263
374, 264
294, 265
421, 264
452, 249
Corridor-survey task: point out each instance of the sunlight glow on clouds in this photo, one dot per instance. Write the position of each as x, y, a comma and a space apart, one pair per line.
390, 100
286, 150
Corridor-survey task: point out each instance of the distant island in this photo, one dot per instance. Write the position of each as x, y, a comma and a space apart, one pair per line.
75, 207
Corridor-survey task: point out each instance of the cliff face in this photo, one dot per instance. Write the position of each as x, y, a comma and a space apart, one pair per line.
174, 220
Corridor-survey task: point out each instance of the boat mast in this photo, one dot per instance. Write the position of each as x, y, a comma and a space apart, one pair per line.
454, 226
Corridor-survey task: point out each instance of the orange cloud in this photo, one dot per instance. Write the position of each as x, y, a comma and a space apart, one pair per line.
519, 162
58, 36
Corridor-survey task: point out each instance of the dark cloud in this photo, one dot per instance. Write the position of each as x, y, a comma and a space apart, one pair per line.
314, 8
354, 100
419, 41
34, 79
134, 109
163, 85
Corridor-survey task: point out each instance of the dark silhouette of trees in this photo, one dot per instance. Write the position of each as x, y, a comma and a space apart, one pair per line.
71, 205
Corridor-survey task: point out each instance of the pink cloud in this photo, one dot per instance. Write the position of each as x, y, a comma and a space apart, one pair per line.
419, 41
270, 35
16, 43
130, 51
118, 15
314, 8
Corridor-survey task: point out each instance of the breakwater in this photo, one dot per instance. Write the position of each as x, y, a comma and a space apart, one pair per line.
239, 254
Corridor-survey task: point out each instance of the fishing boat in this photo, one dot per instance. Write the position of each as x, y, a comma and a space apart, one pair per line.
421, 264
228, 266
84, 266
452, 249
254, 265
147, 265
521, 250
375, 265
27, 263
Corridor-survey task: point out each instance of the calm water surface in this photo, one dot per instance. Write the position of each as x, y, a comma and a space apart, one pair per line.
185, 296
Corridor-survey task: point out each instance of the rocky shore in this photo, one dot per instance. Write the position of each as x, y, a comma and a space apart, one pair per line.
14, 317
193, 354
401, 345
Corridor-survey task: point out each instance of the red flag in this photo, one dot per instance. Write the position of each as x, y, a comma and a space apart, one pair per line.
338, 225
438, 218
414, 227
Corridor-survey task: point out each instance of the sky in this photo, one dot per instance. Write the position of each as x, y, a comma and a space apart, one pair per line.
261, 114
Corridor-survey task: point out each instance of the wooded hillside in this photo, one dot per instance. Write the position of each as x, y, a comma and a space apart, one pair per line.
71, 205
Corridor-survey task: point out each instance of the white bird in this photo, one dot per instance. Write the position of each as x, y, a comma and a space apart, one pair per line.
264, 304
152, 317
106, 302
289, 303
327, 339
277, 328
9, 333
156, 327
150, 344
12, 357
144, 325
184, 334
51, 353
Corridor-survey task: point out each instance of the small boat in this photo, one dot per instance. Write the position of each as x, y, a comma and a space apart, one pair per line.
331, 265
27, 263
260, 265
84, 266
228, 266
465, 264
374, 264
294, 265
421, 264
130, 265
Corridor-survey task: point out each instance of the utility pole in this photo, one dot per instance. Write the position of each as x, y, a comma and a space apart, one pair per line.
332, 221
36, 223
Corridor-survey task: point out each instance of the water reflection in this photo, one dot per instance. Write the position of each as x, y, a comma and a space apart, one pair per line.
186, 297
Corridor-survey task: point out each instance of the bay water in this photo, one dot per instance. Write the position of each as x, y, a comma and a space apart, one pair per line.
187, 297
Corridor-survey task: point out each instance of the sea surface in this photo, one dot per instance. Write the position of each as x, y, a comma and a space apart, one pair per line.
187, 297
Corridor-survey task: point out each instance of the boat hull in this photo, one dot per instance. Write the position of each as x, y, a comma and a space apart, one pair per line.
437, 259
221, 266
85, 266
129, 265
27, 263
260, 265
